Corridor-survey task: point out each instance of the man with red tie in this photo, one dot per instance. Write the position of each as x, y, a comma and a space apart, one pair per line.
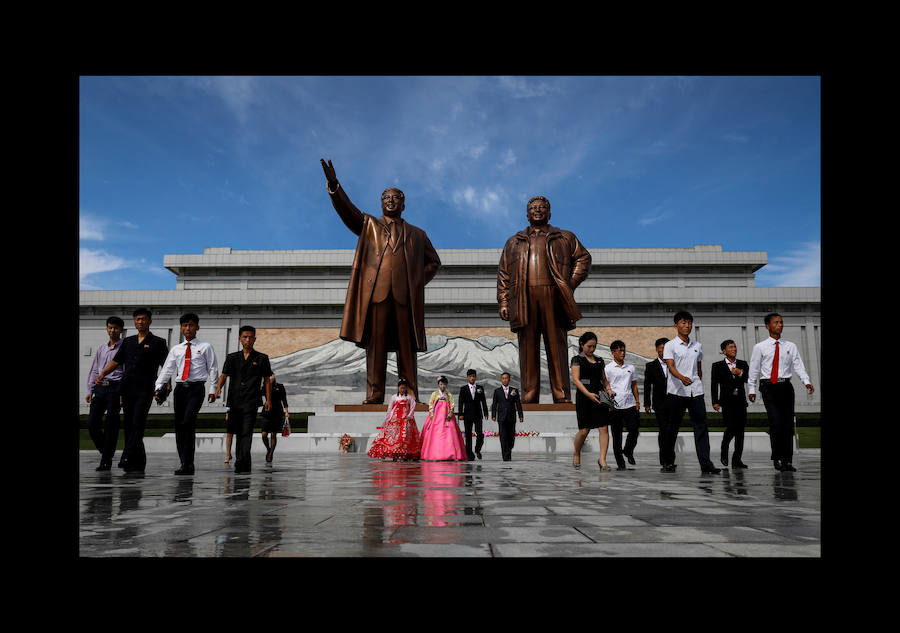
771, 364
192, 363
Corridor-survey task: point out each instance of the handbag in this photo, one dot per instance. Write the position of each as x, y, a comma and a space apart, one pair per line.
607, 400
286, 428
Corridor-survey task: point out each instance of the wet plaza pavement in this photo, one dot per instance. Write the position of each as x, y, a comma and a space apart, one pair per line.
347, 505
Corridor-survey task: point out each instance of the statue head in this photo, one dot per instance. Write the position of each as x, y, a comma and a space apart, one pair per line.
392, 202
538, 211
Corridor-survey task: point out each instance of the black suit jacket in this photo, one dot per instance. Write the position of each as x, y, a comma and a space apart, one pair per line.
723, 383
654, 385
468, 408
503, 408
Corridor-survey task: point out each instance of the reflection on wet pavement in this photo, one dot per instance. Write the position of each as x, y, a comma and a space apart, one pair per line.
537, 505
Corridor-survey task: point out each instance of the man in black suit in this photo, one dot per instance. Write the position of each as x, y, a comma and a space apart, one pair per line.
470, 395
504, 405
655, 376
728, 379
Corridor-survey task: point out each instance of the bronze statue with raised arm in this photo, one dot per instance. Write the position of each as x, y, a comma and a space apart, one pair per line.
385, 306
539, 270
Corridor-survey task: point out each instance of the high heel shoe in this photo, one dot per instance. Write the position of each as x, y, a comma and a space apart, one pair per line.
602, 467
576, 465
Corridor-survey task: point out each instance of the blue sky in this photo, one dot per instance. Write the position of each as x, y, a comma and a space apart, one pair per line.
177, 164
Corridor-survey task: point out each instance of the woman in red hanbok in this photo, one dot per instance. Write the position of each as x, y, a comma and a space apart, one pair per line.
399, 437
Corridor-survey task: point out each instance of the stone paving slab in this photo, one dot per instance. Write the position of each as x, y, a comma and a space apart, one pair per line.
347, 505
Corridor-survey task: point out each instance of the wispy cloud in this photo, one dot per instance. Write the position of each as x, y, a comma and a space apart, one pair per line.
524, 88
798, 267
90, 228
91, 262
733, 137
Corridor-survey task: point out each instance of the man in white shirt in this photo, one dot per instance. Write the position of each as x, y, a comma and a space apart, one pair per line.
684, 390
622, 379
192, 363
772, 363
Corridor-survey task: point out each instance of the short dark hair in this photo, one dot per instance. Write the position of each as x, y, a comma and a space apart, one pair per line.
584, 338
142, 311
683, 314
506, 373
726, 343
402, 381
770, 316
189, 316
115, 321
471, 372
617, 344
247, 328
660, 341
443, 379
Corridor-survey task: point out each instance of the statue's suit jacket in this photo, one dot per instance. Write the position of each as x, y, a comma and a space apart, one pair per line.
422, 263
570, 263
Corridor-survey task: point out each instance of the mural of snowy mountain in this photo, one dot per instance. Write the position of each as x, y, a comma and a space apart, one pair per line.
335, 373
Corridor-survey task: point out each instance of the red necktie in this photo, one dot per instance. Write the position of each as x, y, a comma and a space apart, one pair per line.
774, 378
187, 361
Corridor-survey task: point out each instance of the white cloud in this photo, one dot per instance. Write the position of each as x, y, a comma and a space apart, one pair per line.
522, 88
799, 267
509, 158
733, 137
90, 228
91, 262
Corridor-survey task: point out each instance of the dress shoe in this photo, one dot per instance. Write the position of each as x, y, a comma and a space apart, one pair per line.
478, 454
104, 466
788, 467
242, 472
621, 468
724, 457
667, 468
739, 465
710, 470
185, 470
630, 458
129, 468
777, 464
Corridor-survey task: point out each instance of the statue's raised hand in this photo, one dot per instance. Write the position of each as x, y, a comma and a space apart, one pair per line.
329, 172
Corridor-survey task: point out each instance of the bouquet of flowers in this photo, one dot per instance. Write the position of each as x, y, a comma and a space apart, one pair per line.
346, 443
527, 433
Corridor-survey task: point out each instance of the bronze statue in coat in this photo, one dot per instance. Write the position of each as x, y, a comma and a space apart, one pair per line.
539, 270
385, 306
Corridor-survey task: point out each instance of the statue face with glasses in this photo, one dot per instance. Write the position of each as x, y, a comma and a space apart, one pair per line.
392, 202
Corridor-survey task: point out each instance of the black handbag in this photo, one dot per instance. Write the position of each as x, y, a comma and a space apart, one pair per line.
606, 400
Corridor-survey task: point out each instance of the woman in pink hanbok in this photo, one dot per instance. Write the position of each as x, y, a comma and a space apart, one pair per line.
399, 437
441, 437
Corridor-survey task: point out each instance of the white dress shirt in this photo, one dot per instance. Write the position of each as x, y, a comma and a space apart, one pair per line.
620, 378
203, 364
665, 367
788, 361
687, 357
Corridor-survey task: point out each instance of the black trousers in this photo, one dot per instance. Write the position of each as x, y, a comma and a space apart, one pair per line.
660, 413
105, 432
735, 418
675, 408
187, 398
507, 432
629, 419
469, 424
245, 419
779, 402
135, 405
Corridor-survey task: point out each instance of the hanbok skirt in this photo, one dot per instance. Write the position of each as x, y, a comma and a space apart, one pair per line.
441, 438
398, 439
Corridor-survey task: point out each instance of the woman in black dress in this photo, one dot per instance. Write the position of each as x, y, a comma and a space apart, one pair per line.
589, 376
